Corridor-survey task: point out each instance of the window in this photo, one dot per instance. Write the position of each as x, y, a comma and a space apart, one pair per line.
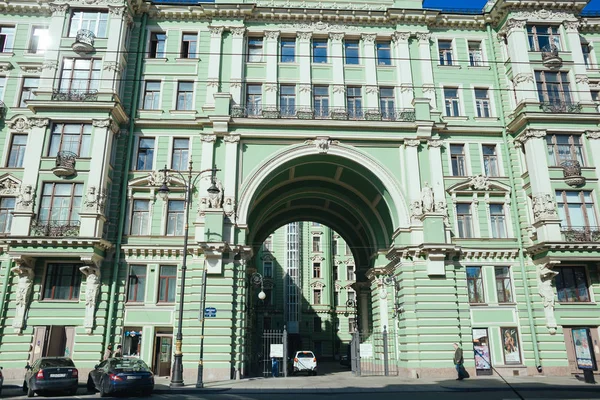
17, 151
553, 88
384, 53
351, 296
498, 221
80, 75
354, 102
334, 247
136, 288
268, 269
7, 38
140, 216
317, 324
39, 40
458, 160
166, 285
255, 49
95, 22
157, 45
564, 148
319, 51
268, 297
145, 154
7, 205
152, 95
317, 296
75, 138
475, 54
316, 270
62, 282
288, 50
463, 218
321, 101
287, 100
595, 95
336, 275
315, 223
482, 103
185, 95
189, 45
175, 218
503, 285
351, 52
452, 102
445, 52
475, 285
572, 285
179, 158
316, 243
586, 49
27, 90
268, 244
350, 275
387, 105
576, 209
254, 99
490, 160
61, 203
543, 37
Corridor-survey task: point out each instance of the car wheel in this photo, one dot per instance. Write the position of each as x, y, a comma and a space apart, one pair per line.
103, 392
90, 385
30, 392
24, 387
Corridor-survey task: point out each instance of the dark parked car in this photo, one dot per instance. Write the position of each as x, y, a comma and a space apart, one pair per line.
119, 375
51, 374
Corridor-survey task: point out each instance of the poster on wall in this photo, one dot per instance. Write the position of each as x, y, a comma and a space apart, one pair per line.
583, 353
481, 350
510, 345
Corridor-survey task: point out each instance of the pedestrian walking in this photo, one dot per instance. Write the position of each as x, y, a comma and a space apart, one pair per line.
118, 352
458, 363
107, 353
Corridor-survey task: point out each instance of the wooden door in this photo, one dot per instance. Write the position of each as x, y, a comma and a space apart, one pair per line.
69, 342
39, 343
163, 347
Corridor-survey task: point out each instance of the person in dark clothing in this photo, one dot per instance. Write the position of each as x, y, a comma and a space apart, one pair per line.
458, 362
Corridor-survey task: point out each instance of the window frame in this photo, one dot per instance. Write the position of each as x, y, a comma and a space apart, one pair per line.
483, 105
452, 104
75, 202
254, 102
558, 280
317, 295
147, 150
284, 43
322, 111
503, 281
165, 279
351, 45
188, 100
316, 270
464, 221
561, 87
381, 45
495, 221
34, 43
21, 151
287, 101
576, 150
583, 206
180, 153
316, 244
354, 102
350, 272
99, 13
136, 284
533, 36
30, 89
446, 55
316, 44
477, 282
460, 159
152, 94
84, 140
6, 214
491, 159
267, 272
133, 215
74, 287
472, 61
255, 49
154, 45
94, 75
4, 38
185, 46
177, 215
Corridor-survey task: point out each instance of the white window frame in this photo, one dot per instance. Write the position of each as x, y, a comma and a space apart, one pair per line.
176, 96
160, 94
498, 158
490, 90
135, 153
484, 59
460, 93
474, 221
130, 213
164, 219
468, 168
455, 62
32, 29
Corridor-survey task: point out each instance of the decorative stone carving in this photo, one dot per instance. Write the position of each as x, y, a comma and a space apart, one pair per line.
49, 65
39, 122
531, 134
5, 66
92, 289
429, 88
235, 83
9, 186
271, 35
336, 36
58, 9
20, 124
592, 135
101, 123
427, 199
304, 35
231, 138
305, 88
322, 144
412, 142
271, 87
94, 200
24, 270
523, 77
416, 209
372, 89
434, 143
514, 24
26, 198
543, 14
423, 37
116, 11
368, 38
582, 78
323, 27
401, 36
229, 207
544, 206
215, 200
212, 83
215, 31
572, 173
209, 138
238, 31
545, 290
339, 89
112, 66
571, 26
480, 182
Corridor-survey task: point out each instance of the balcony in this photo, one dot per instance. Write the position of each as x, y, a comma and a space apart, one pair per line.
54, 228
572, 173
2, 110
550, 57
65, 164
75, 95
84, 42
560, 106
327, 113
581, 234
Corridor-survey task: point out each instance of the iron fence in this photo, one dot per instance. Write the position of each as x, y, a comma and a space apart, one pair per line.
581, 233
374, 354
273, 353
54, 228
332, 113
75, 95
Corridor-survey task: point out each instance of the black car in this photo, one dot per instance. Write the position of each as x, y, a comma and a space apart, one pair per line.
51, 374
119, 375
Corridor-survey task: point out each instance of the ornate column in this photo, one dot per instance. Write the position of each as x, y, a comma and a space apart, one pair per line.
114, 62
338, 100
91, 271
24, 269
229, 203
582, 81
594, 141
372, 90
55, 33
237, 63
271, 87
304, 64
403, 69
426, 67
413, 178
523, 79
436, 174
214, 60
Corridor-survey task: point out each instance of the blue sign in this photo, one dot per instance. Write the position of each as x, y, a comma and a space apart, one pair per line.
210, 312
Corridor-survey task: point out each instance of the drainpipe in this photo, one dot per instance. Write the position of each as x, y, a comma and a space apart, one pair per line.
9, 265
124, 175
513, 208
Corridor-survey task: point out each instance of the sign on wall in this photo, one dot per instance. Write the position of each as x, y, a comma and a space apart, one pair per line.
510, 345
583, 345
276, 351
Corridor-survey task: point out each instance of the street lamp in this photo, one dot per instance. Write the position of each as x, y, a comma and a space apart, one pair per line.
257, 279
354, 305
189, 182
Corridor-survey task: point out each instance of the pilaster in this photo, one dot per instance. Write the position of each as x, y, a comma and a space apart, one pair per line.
113, 63
370, 61
523, 79
55, 33
271, 87
413, 171
214, 60
237, 63
403, 69
304, 62
426, 67
582, 81
337, 61
436, 174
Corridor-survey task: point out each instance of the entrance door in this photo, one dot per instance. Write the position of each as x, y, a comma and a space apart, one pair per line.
583, 343
52, 341
481, 348
163, 345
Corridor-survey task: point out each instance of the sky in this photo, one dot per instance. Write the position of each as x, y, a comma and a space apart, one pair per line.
594, 5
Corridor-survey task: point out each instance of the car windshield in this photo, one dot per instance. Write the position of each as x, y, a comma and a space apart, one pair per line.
56, 362
130, 364
305, 354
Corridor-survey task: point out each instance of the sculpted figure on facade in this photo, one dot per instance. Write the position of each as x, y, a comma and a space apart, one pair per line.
544, 206
9, 187
427, 199
25, 199
480, 182
92, 289
545, 276
229, 207
94, 199
215, 200
23, 295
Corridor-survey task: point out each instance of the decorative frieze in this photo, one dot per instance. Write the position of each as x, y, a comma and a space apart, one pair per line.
592, 135
238, 31
320, 26
368, 38
400, 37
272, 35
215, 31
304, 35
542, 14
544, 207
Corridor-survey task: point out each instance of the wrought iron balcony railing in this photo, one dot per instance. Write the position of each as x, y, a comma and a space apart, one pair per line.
2, 109
333, 113
559, 106
75, 95
84, 41
572, 173
550, 57
65, 163
581, 233
54, 228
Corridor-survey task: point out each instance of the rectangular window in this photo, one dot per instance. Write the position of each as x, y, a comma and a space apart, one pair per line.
268, 244
351, 52
458, 160
175, 218
315, 223
317, 296
74, 138
572, 285
80, 75
140, 216
268, 269
445, 52
587, 55
564, 148
482, 103
452, 102
254, 99
268, 297
158, 42
498, 221
316, 243
27, 90
166, 285
317, 324
334, 247
321, 101
61, 203
255, 49
136, 287
336, 301
288, 50
475, 285
287, 100
475, 54
503, 284
595, 95
490, 160
316, 270
354, 102
576, 210
93, 21
319, 51
387, 104
7, 205
16, 156
62, 282
336, 275
384, 53
7, 38
39, 40
145, 154
351, 296
543, 37
464, 220
185, 96
553, 89
179, 158
350, 275
189, 45
152, 95
2, 86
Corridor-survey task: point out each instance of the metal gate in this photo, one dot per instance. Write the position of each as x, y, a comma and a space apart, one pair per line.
374, 353
273, 354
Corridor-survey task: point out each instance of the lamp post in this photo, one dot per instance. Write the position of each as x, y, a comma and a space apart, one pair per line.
189, 182
354, 305
257, 279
